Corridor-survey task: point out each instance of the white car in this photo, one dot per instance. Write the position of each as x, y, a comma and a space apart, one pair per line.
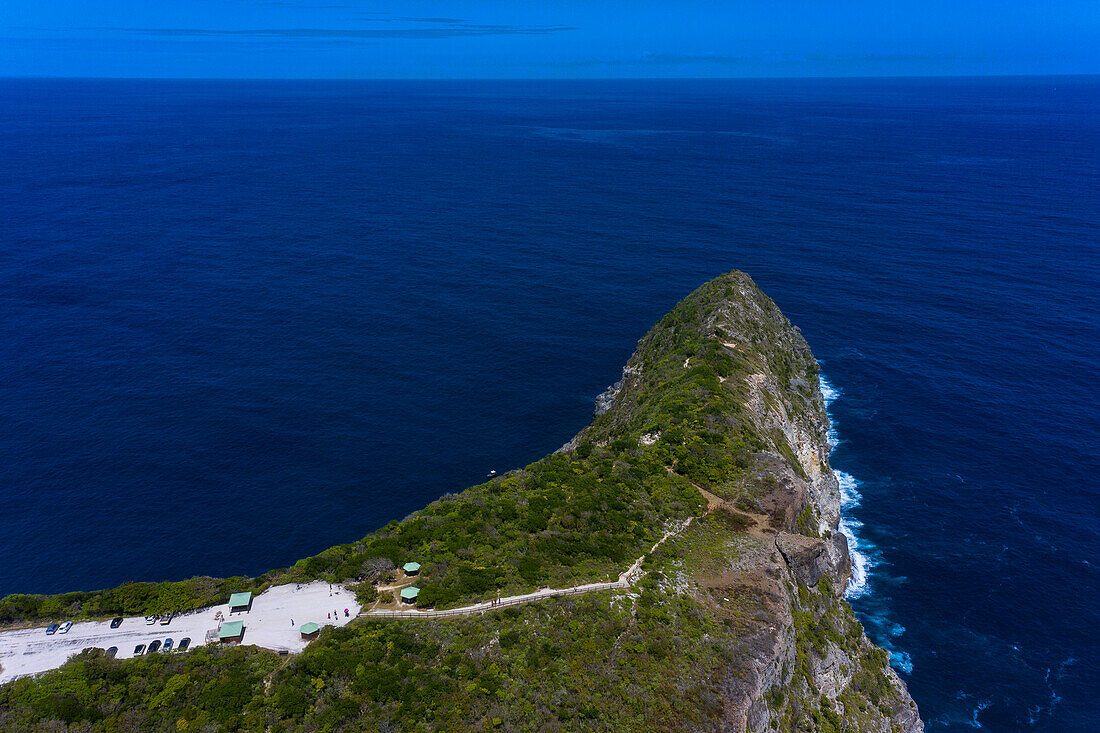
65, 627
165, 619
150, 620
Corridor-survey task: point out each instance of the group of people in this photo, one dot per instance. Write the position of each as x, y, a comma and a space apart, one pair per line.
334, 614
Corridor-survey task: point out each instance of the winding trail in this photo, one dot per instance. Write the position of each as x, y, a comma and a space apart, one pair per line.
626, 579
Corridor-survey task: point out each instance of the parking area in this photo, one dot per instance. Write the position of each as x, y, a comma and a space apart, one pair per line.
272, 623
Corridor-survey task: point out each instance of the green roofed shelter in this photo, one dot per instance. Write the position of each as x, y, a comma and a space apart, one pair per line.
231, 631
309, 631
411, 568
240, 601
408, 595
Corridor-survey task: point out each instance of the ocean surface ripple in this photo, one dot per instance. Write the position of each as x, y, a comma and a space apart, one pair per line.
243, 321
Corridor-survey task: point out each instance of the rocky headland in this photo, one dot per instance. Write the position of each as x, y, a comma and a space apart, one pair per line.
736, 622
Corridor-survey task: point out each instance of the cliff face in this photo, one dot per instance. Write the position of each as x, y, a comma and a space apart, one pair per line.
803, 657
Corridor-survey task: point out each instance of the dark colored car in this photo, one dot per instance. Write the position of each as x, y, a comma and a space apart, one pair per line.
52, 629
184, 643
168, 643
111, 652
116, 622
139, 650
154, 646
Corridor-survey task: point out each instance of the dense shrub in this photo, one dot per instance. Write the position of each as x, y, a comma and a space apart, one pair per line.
129, 599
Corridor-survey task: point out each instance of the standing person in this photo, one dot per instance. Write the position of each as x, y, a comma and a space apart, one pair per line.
291, 622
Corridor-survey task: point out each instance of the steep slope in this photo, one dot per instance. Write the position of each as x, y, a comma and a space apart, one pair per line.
737, 623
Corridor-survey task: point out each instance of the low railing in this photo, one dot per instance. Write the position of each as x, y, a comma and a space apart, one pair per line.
502, 603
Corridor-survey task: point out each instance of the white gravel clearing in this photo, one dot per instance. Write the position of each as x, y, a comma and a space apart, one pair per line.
29, 651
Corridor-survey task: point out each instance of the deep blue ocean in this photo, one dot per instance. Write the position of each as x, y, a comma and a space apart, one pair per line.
243, 321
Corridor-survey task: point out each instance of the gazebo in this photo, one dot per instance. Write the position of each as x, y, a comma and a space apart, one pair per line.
240, 602
411, 568
310, 630
231, 631
408, 595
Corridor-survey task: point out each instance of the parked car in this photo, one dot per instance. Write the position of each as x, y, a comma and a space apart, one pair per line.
150, 620
139, 650
165, 619
65, 627
52, 629
184, 643
116, 622
111, 652
168, 644
154, 646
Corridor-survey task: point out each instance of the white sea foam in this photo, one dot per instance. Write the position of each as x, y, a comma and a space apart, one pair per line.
901, 660
828, 391
849, 499
977, 709
861, 563
849, 490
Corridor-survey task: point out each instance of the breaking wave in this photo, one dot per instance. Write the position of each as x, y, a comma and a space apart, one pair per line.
901, 660
849, 499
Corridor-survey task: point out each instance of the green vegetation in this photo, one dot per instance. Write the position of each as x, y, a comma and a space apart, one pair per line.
562, 520
211, 686
587, 662
709, 545
807, 521
823, 622
130, 599
518, 666
365, 593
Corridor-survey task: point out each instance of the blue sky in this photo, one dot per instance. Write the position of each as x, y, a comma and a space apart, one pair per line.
562, 38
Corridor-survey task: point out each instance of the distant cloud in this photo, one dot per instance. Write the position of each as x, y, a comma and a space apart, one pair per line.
672, 59
664, 59
385, 18
451, 31
374, 15
307, 6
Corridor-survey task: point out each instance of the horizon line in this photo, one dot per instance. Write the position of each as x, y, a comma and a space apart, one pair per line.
546, 78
